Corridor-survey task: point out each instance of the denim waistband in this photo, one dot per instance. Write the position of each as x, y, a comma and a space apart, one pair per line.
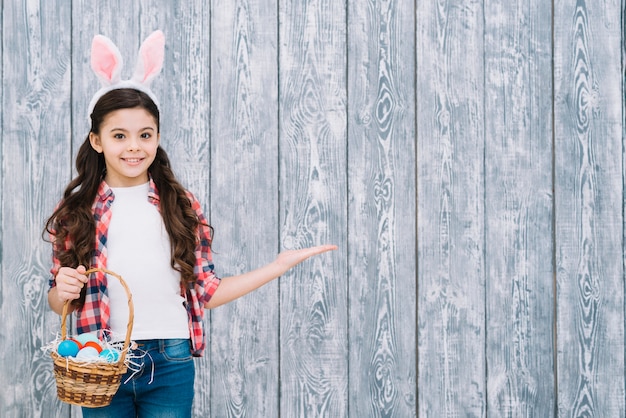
157, 343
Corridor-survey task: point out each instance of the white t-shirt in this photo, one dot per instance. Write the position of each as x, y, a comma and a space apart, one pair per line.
138, 249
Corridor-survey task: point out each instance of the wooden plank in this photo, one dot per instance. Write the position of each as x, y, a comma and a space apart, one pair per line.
312, 129
589, 226
450, 153
244, 210
381, 209
35, 161
518, 208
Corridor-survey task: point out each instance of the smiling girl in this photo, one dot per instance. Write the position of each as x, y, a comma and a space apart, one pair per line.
126, 211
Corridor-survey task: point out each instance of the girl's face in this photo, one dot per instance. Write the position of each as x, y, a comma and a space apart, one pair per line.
129, 140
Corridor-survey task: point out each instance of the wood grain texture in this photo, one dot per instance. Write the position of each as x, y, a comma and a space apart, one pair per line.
416, 135
589, 208
35, 125
518, 209
313, 304
244, 203
450, 153
381, 209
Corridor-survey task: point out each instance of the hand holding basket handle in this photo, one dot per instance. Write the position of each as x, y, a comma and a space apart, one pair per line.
69, 285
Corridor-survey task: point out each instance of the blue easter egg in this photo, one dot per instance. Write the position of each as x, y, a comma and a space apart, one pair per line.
111, 355
67, 348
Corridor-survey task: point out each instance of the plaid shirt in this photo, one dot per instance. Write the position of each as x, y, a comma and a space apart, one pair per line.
95, 313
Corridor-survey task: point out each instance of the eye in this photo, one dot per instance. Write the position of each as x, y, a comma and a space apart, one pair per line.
118, 136
146, 135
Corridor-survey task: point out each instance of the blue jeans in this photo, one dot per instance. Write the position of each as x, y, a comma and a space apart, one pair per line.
163, 388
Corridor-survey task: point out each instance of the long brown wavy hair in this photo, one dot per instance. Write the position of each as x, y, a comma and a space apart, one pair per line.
73, 220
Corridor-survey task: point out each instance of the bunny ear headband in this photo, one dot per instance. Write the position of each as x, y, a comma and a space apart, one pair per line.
106, 62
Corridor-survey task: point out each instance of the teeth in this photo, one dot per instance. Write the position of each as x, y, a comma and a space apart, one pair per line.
132, 160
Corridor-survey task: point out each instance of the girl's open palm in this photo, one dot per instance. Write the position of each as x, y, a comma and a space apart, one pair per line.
291, 258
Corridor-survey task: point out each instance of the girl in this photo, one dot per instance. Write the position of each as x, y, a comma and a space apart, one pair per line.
125, 211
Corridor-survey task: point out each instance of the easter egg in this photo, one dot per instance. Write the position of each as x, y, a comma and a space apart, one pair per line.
93, 344
111, 355
85, 337
87, 353
67, 348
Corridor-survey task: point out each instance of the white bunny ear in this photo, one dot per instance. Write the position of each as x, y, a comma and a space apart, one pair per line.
106, 60
150, 59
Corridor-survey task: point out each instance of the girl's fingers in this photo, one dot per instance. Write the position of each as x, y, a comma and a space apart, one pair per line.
81, 271
292, 257
70, 282
324, 248
311, 251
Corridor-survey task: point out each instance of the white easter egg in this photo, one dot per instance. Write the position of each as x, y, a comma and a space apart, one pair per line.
87, 353
86, 336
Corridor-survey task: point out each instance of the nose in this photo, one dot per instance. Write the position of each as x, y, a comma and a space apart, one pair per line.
133, 143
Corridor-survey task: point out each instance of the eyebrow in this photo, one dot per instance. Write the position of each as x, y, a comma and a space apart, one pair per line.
125, 130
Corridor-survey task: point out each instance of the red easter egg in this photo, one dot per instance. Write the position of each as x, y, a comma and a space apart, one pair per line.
93, 344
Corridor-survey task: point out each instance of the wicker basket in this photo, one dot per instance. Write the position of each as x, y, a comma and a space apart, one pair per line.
91, 384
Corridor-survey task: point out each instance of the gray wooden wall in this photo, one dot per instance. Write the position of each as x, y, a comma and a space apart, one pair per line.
467, 156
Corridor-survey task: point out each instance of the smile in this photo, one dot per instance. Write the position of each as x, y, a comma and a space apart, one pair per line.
132, 160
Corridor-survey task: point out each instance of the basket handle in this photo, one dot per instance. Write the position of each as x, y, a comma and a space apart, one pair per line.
131, 309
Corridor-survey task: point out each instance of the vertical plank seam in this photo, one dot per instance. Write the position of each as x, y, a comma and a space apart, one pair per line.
347, 207
554, 240
72, 99
623, 88
209, 350
484, 226
278, 208
2, 295
416, 182
1, 128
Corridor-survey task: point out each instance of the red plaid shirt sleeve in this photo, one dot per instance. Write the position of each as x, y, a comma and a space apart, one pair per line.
206, 283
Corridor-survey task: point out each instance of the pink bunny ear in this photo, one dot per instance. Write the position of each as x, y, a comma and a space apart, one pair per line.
150, 59
106, 60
